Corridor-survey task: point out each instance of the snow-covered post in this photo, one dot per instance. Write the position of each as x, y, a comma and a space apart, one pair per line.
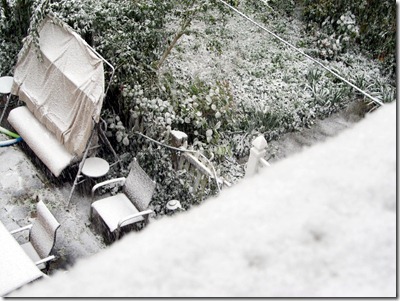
257, 153
178, 140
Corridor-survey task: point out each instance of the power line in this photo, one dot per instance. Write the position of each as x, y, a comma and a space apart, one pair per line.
303, 53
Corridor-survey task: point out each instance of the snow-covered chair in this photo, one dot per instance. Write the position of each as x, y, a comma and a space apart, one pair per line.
63, 90
42, 237
124, 209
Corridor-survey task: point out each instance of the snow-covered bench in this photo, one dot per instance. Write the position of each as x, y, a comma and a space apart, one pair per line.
63, 92
40, 140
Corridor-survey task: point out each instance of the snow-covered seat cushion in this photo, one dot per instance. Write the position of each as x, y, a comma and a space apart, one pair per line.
42, 142
114, 208
31, 252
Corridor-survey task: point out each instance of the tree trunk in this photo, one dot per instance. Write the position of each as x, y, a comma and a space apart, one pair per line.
173, 43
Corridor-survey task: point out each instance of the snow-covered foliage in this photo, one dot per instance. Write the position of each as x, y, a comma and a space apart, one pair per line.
369, 25
14, 22
223, 82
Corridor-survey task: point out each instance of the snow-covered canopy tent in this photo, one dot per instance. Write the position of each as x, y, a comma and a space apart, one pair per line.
63, 88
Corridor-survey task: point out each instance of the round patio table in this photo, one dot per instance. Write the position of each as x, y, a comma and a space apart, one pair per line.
95, 167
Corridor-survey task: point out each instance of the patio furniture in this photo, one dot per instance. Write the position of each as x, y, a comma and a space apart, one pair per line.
16, 267
42, 237
95, 167
63, 92
125, 209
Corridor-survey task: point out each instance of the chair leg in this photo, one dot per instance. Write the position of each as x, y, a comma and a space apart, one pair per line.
5, 107
100, 227
47, 267
117, 233
78, 175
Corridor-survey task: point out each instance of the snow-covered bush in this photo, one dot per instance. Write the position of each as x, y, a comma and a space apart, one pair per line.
374, 23
14, 23
128, 33
336, 36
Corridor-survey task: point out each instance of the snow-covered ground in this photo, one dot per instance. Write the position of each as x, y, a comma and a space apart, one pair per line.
22, 184
268, 80
259, 69
321, 223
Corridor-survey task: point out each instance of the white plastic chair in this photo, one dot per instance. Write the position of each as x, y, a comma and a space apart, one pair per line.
42, 236
128, 207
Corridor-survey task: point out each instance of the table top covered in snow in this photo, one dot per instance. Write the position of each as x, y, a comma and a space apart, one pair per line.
95, 167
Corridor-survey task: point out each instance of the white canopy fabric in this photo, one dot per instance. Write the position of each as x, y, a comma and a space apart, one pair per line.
64, 91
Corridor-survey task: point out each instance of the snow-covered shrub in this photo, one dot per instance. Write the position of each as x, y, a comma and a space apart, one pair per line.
375, 24
80, 15
14, 23
128, 33
205, 110
198, 109
171, 184
287, 7
336, 36
8, 54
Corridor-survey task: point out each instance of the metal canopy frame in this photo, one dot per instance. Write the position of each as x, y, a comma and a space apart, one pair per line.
100, 131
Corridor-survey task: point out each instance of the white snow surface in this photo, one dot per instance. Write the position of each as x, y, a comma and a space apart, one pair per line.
321, 223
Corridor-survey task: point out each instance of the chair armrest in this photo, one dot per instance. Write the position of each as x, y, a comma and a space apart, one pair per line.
124, 219
95, 187
264, 162
27, 227
46, 259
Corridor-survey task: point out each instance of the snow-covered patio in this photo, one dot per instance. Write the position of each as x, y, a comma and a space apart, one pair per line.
22, 184
321, 223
